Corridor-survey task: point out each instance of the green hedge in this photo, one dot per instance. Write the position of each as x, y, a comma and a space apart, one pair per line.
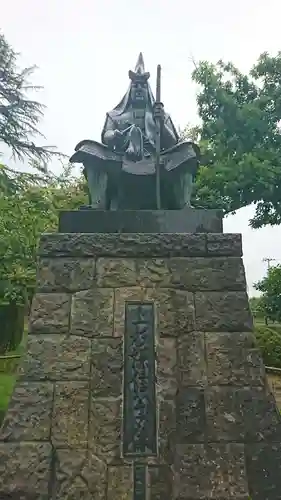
11, 326
269, 341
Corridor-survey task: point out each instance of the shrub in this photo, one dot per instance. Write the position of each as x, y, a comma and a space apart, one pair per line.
269, 341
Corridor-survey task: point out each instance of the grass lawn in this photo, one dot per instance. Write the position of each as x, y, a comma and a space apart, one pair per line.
276, 327
7, 382
8, 366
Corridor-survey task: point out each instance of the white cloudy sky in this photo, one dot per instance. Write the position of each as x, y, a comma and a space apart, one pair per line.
84, 49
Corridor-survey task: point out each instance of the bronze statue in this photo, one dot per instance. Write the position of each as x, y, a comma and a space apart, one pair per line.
120, 172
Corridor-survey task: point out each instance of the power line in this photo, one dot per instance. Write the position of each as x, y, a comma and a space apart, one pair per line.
268, 260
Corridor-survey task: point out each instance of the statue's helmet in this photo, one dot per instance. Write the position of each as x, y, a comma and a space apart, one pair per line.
139, 75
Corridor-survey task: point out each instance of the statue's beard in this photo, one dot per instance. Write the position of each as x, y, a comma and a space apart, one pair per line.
139, 103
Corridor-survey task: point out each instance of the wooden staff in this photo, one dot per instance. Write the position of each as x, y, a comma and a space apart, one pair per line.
158, 140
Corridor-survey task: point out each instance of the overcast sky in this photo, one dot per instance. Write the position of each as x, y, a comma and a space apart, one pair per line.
84, 49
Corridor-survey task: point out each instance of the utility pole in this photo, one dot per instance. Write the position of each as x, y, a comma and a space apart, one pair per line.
268, 260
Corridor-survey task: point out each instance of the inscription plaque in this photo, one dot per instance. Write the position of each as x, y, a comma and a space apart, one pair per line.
139, 409
139, 482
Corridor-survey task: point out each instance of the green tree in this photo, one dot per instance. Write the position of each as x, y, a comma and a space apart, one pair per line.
19, 114
257, 307
29, 206
270, 287
240, 138
28, 201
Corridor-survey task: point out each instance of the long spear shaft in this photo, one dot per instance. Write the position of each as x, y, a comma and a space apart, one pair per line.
158, 140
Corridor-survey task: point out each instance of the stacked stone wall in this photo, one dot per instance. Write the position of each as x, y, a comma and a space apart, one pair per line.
218, 433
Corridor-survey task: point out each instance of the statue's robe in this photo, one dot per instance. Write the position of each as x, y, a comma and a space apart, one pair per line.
100, 158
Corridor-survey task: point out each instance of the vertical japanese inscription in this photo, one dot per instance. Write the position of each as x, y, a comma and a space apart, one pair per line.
139, 482
139, 417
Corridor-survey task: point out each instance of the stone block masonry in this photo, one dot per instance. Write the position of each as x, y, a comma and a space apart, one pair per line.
218, 432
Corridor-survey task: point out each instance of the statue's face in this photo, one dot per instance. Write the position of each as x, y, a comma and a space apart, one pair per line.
139, 94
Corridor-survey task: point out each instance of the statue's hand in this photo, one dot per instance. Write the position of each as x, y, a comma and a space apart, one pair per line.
134, 150
117, 139
158, 112
113, 138
117, 136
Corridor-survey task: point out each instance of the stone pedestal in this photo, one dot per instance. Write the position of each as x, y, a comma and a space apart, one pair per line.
188, 220
131, 329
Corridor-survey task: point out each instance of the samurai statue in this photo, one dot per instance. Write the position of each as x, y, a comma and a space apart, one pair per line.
121, 171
